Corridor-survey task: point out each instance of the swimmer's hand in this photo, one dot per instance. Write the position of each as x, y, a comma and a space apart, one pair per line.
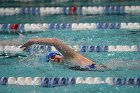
27, 45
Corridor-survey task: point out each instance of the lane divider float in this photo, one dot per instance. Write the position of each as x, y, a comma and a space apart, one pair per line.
65, 81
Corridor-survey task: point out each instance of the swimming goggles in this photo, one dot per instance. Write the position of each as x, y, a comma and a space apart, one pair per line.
51, 55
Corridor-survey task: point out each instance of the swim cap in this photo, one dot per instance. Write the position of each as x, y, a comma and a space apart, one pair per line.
50, 55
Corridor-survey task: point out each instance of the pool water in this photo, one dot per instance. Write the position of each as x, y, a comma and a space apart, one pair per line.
121, 64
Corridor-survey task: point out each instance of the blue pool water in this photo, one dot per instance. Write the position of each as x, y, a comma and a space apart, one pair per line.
121, 64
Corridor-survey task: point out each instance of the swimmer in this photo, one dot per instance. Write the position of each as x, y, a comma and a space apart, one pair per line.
68, 56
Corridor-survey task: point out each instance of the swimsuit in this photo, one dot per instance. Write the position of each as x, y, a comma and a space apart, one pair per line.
87, 68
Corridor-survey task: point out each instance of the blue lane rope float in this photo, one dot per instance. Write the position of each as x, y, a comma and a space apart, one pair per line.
108, 25
114, 10
3, 80
93, 48
25, 28
66, 81
90, 10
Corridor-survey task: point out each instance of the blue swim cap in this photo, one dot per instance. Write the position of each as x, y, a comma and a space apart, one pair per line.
50, 55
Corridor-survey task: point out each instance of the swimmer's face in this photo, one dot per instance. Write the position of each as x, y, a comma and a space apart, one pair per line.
56, 58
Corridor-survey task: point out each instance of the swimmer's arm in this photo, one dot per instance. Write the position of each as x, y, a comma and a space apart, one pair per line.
60, 46
63, 48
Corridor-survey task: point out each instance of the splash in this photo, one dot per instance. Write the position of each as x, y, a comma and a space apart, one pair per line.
34, 59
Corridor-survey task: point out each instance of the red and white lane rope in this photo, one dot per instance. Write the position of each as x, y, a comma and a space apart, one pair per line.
85, 10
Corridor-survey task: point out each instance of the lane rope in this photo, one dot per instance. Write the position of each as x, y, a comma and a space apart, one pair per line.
16, 50
26, 28
65, 81
85, 10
